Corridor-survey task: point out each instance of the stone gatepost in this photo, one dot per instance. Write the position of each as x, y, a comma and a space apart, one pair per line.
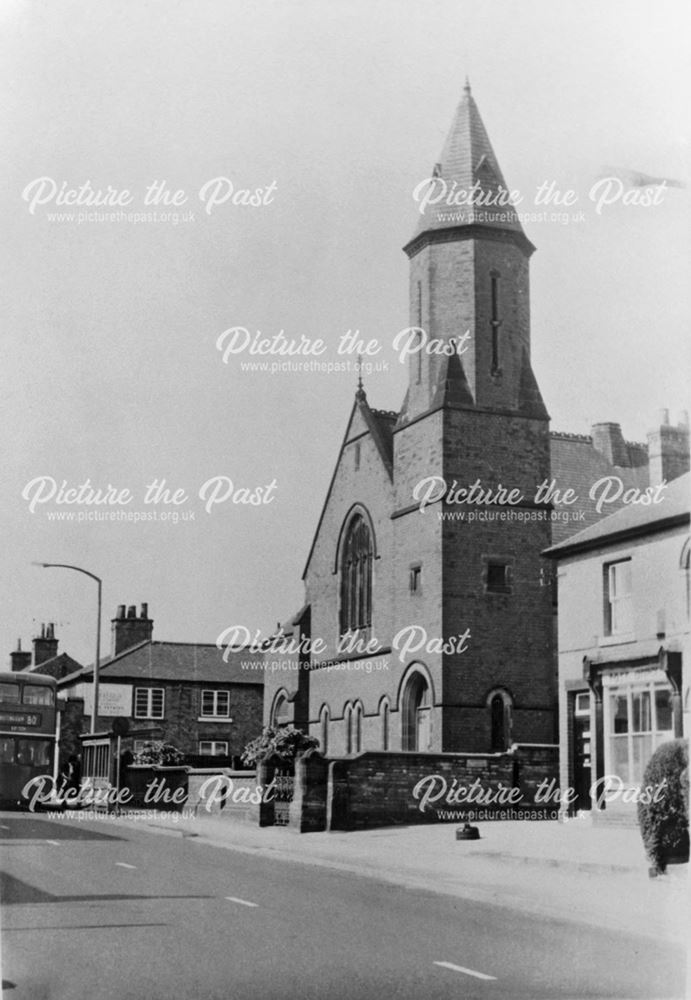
337, 797
308, 808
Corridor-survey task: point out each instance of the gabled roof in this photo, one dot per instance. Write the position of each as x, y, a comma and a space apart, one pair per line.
634, 520
178, 661
57, 666
380, 424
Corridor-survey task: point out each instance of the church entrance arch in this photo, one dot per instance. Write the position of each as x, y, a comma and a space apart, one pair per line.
416, 709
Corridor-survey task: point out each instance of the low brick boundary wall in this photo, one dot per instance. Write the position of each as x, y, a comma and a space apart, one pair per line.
377, 789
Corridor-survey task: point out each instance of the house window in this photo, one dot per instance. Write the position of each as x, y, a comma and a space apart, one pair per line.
497, 579
213, 748
638, 718
215, 704
618, 598
148, 703
415, 579
356, 577
582, 703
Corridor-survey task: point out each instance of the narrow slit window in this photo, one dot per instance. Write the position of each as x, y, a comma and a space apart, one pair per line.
418, 356
495, 322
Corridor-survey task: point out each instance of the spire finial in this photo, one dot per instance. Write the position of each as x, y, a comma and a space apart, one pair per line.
360, 387
466, 88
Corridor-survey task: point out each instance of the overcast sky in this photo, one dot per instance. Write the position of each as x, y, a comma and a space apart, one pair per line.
335, 111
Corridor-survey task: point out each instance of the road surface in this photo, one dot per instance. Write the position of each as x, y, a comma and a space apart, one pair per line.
99, 911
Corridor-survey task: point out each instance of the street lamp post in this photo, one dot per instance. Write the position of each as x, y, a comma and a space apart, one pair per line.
97, 661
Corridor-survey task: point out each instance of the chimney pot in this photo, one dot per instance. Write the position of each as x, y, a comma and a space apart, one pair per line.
121, 611
664, 417
684, 419
145, 610
132, 611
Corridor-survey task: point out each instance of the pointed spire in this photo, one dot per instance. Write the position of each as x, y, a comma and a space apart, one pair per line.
360, 394
467, 163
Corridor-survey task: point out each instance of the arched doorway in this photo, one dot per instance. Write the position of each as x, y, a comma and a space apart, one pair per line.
499, 703
417, 714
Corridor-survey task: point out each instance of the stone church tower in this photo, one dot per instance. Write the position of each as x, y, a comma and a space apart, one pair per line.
476, 414
409, 582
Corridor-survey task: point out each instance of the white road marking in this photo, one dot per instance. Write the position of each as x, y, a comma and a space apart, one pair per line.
468, 972
242, 902
123, 864
55, 843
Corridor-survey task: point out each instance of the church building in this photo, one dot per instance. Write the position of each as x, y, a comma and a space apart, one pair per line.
429, 617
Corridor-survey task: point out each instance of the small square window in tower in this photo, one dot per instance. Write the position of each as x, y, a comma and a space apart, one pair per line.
415, 579
497, 581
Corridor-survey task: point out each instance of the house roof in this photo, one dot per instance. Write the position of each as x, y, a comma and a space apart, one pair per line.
633, 520
578, 465
179, 661
57, 666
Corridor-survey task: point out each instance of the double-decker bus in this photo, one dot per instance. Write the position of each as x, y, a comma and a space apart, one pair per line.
28, 722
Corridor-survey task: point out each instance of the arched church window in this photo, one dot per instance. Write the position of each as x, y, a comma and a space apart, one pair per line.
385, 712
348, 720
324, 730
416, 714
357, 743
356, 577
281, 714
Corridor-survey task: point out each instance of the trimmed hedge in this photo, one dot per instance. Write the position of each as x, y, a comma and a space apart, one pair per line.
664, 824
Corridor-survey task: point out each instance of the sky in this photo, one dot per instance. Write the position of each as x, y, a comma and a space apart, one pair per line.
329, 115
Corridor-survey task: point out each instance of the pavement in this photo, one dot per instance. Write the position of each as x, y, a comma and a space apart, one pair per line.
574, 871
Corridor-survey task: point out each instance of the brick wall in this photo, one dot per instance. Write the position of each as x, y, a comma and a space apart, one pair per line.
378, 789
182, 710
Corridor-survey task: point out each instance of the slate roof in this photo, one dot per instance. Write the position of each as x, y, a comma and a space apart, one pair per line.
179, 661
57, 666
577, 465
468, 157
634, 519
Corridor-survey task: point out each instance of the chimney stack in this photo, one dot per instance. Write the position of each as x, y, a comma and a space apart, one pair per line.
20, 659
128, 630
609, 441
668, 449
45, 645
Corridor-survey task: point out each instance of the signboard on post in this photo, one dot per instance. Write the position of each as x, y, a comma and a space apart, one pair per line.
113, 700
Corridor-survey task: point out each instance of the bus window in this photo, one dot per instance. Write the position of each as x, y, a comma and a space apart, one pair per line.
7, 750
37, 753
34, 694
9, 692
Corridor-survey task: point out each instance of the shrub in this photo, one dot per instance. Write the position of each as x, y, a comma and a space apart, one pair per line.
284, 743
664, 824
159, 754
